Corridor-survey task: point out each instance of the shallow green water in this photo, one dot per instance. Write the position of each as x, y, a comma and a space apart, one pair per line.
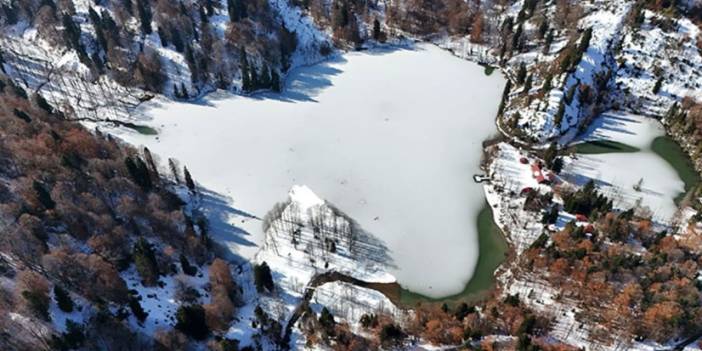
672, 153
663, 146
493, 249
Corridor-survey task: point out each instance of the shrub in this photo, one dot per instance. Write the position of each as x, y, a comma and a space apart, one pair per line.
391, 335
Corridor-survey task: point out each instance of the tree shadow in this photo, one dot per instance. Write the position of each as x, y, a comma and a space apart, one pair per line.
221, 216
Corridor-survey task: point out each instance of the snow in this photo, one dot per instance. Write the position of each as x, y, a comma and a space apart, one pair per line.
348, 303
616, 174
393, 145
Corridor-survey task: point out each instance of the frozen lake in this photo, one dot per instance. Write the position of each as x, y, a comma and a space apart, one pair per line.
618, 173
390, 137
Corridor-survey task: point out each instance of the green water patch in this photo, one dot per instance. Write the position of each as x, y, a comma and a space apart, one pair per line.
671, 152
488, 68
141, 129
493, 250
603, 147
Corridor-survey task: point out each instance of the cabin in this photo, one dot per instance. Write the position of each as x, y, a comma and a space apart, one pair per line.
538, 174
581, 218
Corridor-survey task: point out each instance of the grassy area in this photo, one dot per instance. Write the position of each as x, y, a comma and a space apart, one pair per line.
603, 147
493, 249
672, 153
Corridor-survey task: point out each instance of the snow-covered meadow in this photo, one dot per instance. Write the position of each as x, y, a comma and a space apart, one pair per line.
390, 136
617, 174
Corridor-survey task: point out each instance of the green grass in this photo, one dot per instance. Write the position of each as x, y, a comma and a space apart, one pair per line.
492, 251
672, 153
603, 147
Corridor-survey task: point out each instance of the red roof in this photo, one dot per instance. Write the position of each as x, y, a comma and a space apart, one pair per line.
580, 218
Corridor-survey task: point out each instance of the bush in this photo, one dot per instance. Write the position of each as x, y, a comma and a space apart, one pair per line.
191, 321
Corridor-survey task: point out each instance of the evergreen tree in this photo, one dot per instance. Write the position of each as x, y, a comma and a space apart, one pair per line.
659, 84
265, 77
517, 39
585, 41
236, 9
548, 42
543, 28
263, 278
326, 319
245, 71
188, 179
528, 83
145, 15
63, 299
43, 195
186, 266
275, 81
145, 262
190, 319
139, 172
137, 310
521, 73
162, 36
376, 30
558, 118
547, 84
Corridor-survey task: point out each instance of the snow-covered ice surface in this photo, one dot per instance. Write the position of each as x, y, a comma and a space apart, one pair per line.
391, 137
616, 174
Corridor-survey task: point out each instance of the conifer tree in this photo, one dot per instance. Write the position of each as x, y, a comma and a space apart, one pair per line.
63, 299
275, 81
145, 15
145, 262
658, 85
548, 42
521, 73
528, 83
43, 195
376, 30
190, 319
263, 278
245, 70
188, 179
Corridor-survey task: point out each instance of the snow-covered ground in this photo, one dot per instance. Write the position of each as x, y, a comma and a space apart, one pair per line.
392, 137
616, 174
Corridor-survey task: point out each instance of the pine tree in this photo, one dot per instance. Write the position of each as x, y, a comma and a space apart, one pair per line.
548, 42
245, 74
659, 84
145, 15
63, 299
547, 84
43, 195
263, 278
145, 262
137, 310
275, 81
376, 30
139, 172
265, 77
543, 28
186, 266
188, 179
326, 319
521, 73
528, 83
558, 118
190, 319
174, 170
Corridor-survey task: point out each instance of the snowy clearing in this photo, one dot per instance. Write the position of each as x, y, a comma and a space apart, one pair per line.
392, 137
